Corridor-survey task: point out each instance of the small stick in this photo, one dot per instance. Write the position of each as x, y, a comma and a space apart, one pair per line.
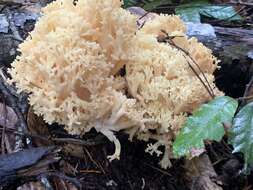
64, 177
208, 86
25, 134
98, 165
76, 141
12, 101
3, 132
94, 142
158, 169
247, 91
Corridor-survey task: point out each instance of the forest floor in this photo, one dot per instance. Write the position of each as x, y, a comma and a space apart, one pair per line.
71, 162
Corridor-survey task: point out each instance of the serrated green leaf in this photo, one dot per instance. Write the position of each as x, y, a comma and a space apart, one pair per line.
241, 133
191, 12
206, 123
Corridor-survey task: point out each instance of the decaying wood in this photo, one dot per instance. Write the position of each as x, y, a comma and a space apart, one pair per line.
201, 175
230, 44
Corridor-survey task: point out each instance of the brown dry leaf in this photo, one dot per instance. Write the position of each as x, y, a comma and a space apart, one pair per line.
63, 185
67, 168
32, 186
8, 117
8, 120
37, 126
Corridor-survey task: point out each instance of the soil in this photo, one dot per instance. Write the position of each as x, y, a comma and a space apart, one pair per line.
139, 170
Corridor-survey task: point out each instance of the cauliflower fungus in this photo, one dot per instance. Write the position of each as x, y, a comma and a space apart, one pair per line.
72, 65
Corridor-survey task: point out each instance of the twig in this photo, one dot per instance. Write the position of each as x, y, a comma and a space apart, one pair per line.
64, 177
138, 21
158, 169
247, 91
90, 171
208, 86
24, 134
3, 132
2, 8
93, 142
196, 64
98, 165
12, 101
21, 97
245, 98
46, 183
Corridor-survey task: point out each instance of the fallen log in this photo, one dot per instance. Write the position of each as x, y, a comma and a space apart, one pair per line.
229, 44
234, 48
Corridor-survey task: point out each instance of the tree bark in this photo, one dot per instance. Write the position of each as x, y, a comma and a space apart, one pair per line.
230, 44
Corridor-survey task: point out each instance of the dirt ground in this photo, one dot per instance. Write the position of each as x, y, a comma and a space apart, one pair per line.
135, 169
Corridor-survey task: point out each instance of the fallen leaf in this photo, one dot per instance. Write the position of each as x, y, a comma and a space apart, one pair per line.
32, 186
8, 117
8, 120
37, 126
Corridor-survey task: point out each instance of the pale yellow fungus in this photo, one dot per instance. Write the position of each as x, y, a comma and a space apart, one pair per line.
71, 66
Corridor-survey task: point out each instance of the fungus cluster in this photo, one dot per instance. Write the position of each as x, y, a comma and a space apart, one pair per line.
87, 65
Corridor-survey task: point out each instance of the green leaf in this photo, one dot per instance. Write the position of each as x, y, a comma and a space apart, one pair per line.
241, 133
206, 123
130, 3
148, 5
152, 4
221, 13
191, 12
